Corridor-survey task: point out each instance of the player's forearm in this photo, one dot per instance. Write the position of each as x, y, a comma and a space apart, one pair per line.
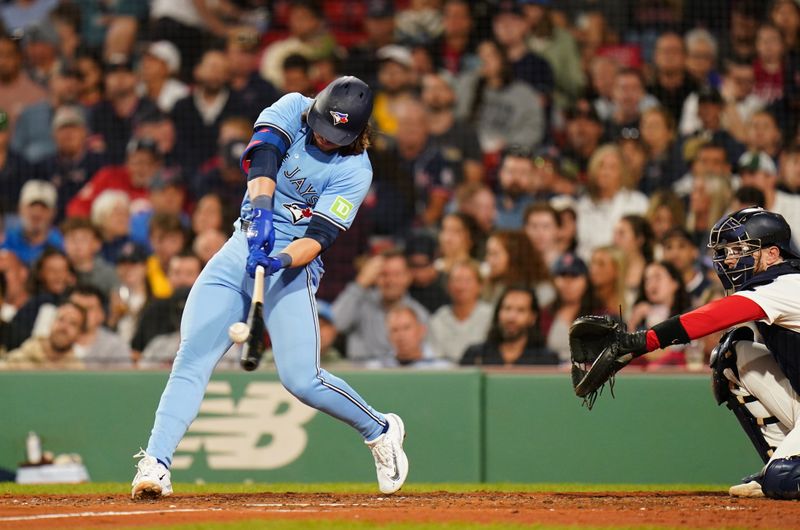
260, 186
715, 316
302, 251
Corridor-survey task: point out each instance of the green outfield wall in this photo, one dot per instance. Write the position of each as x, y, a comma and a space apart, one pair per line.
463, 426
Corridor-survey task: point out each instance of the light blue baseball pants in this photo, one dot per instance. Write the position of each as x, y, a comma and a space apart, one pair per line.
220, 297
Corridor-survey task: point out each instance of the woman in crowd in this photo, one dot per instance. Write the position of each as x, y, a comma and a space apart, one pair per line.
511, 259
662, 294
607, 275
208, 214
709, 199
456, 241
464, 321
664, 212
608, 200
634, 237
541, 224
574, 298
503, 110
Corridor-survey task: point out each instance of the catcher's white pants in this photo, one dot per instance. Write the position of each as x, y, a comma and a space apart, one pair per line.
761, 377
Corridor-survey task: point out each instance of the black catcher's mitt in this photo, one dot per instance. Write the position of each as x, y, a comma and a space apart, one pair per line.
600, 347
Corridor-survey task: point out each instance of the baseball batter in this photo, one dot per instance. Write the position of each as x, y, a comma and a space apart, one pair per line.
759, 381
307, 173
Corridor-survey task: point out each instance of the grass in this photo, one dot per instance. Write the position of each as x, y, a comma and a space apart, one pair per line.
124, 488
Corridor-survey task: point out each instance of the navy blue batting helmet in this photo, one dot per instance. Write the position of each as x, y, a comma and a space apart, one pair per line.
738, 236
341, 111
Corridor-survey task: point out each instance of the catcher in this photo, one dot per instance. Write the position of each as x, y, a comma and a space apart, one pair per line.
759, 382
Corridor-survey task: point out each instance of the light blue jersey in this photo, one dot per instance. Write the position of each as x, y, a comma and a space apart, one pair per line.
310, 181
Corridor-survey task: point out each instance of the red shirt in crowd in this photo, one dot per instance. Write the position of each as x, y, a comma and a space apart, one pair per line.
108, 178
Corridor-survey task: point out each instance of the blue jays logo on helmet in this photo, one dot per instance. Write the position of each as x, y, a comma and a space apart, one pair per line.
339, 117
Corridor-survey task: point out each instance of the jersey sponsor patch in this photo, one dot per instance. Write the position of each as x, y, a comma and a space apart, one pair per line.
338, 117
341, 208
298, 211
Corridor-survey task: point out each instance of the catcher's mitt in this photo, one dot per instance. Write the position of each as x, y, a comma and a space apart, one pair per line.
602, 343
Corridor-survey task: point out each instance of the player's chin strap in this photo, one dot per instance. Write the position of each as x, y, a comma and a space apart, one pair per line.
728, 389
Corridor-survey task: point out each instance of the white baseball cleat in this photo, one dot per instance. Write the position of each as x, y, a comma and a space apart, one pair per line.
152, 478
746, 489
391, 461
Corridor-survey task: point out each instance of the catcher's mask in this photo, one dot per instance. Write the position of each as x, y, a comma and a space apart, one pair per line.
736, 238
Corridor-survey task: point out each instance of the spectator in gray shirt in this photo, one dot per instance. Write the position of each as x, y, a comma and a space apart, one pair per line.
98, 346
82, 243
360, 310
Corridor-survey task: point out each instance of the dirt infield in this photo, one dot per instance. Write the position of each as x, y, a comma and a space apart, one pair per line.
675, 509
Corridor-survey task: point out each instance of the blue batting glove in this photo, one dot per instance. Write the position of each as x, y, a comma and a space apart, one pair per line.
260, 233
271, 264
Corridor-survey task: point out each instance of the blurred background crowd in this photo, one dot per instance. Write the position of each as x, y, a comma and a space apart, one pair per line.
534, 160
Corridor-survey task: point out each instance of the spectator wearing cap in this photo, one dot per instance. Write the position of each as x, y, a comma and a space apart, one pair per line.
142, 163
72, 164
584, 129
504, 111
159, 127
672, 85
133, 293
198, 116
708, 121
516, 183
548, 179
457, 139
362, 60
111, 120
574, 297
426, 284
160, 62
35, 231
757, 169
454, 49
33, 135
167, 196
512, 31
328, 334
82, 244
395, 83
14, 169
684, 255
515, 336
466, 319
111, 215
609, 197
41, 44
17, 90
98, 346
255, 92
308, 36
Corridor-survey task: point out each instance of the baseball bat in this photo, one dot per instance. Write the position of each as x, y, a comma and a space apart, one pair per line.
253, 347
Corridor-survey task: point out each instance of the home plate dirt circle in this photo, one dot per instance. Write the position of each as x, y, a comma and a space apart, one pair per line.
672, 509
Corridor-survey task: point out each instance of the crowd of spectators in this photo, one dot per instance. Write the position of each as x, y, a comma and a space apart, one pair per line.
533, 161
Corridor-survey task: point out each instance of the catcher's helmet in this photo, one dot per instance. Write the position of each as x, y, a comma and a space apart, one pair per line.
738, 236
341, 111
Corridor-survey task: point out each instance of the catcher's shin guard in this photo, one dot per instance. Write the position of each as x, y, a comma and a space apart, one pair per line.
782, 478
752, 415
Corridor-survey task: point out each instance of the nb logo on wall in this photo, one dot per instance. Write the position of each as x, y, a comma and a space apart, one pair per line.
264, 430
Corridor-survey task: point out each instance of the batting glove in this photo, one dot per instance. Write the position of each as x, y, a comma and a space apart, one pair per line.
271, 264
260, 233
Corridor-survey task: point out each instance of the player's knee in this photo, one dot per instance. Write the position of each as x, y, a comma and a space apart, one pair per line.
301, 386
747, 352
782, 478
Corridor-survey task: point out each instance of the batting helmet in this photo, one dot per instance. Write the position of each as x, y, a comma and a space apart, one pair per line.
341, 111
740, 235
